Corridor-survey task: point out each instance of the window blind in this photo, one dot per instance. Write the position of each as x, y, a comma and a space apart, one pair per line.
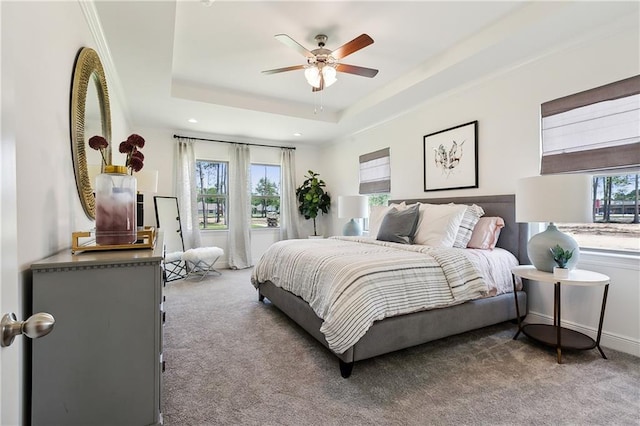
594, 130
375, 172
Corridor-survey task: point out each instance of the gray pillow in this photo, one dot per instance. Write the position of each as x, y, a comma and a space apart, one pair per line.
398, 226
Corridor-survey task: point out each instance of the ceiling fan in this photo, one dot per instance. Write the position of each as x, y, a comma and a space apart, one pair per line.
322, 64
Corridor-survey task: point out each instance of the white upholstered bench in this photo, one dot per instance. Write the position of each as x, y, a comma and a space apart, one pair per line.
200, 260
174, 266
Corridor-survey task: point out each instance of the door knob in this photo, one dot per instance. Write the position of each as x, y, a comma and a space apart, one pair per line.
37, 325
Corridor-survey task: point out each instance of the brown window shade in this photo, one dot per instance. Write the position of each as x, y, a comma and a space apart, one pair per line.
594, 130
375, 172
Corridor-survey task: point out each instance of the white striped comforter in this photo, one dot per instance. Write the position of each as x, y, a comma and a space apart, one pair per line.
351, 282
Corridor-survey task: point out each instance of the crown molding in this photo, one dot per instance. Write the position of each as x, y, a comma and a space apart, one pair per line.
102, 47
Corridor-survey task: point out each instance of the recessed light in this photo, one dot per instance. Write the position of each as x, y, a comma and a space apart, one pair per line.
192, 120
297, 134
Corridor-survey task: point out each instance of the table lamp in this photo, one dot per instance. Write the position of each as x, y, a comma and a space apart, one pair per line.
562, 198
147, 182
353, 207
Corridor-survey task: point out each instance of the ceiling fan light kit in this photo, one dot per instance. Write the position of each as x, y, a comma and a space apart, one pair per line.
322, 64
320, 77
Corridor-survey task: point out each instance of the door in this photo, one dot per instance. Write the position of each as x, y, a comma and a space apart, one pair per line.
11, 368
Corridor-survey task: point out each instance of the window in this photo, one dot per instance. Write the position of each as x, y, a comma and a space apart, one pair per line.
212, 179
378, 200
265, 196
615, 215
597, 131
375, 200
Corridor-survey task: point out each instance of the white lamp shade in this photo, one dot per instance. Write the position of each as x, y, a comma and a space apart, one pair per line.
353, 206
554, 198
312, 74
329, 74
147, 181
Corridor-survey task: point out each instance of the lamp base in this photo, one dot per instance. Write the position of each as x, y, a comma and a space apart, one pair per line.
539, 245
352, 228
140, 210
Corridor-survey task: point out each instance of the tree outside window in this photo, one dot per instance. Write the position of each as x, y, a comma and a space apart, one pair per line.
615, 215
212, 193
265, 196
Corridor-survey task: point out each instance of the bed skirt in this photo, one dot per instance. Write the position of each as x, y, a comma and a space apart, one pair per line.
403, 331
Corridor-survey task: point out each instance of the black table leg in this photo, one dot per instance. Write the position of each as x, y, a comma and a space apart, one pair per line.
604, 304
515, 295
556, 322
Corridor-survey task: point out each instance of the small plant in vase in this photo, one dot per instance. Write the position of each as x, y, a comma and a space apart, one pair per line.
561, 257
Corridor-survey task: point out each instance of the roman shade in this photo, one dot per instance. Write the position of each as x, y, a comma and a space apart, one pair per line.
375, 172
594, 130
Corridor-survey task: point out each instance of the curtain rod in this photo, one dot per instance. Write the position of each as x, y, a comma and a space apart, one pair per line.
239, 143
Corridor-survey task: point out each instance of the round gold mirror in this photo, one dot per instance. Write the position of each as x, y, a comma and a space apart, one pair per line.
90, 116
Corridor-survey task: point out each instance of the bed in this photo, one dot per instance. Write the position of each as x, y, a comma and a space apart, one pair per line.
362, 329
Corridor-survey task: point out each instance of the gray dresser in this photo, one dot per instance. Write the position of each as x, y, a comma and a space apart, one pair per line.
102, 363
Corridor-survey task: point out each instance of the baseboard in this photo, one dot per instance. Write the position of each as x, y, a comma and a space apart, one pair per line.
607, 340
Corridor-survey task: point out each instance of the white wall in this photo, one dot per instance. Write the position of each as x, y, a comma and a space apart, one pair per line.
45, 175
507, 108
39, 46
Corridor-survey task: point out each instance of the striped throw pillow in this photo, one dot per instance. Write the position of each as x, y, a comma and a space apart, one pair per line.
469, 220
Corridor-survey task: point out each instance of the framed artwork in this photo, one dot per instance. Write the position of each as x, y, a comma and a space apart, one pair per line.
451, 158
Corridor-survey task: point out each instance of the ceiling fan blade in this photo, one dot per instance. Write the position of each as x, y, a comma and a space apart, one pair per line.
285, 39
353, 69
277, 70
354, 45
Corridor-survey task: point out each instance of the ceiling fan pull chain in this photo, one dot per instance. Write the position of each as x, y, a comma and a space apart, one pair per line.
315, 107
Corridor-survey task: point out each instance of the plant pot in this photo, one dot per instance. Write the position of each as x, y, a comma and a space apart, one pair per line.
561, 273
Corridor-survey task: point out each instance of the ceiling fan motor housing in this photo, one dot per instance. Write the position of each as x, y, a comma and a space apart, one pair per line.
321, 39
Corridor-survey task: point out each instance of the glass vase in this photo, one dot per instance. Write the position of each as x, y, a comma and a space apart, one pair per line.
115, 207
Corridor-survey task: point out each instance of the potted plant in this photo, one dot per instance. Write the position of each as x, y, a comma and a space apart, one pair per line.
312, 198
561, 257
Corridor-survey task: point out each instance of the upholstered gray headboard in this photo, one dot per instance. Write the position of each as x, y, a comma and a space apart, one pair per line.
513, 236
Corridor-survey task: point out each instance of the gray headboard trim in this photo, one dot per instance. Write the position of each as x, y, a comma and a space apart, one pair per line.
513, 236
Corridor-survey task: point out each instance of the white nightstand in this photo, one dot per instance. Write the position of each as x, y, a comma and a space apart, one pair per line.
555, 335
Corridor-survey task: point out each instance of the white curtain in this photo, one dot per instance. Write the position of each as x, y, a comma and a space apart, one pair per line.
288, 202
186, 192
239, 207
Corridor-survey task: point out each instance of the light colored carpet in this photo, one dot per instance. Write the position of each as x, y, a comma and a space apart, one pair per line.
233, 360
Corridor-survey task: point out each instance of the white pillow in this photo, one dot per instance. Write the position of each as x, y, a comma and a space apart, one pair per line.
377, 213
438, 224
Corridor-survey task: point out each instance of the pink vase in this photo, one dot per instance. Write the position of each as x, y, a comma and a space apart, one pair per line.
115, 207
